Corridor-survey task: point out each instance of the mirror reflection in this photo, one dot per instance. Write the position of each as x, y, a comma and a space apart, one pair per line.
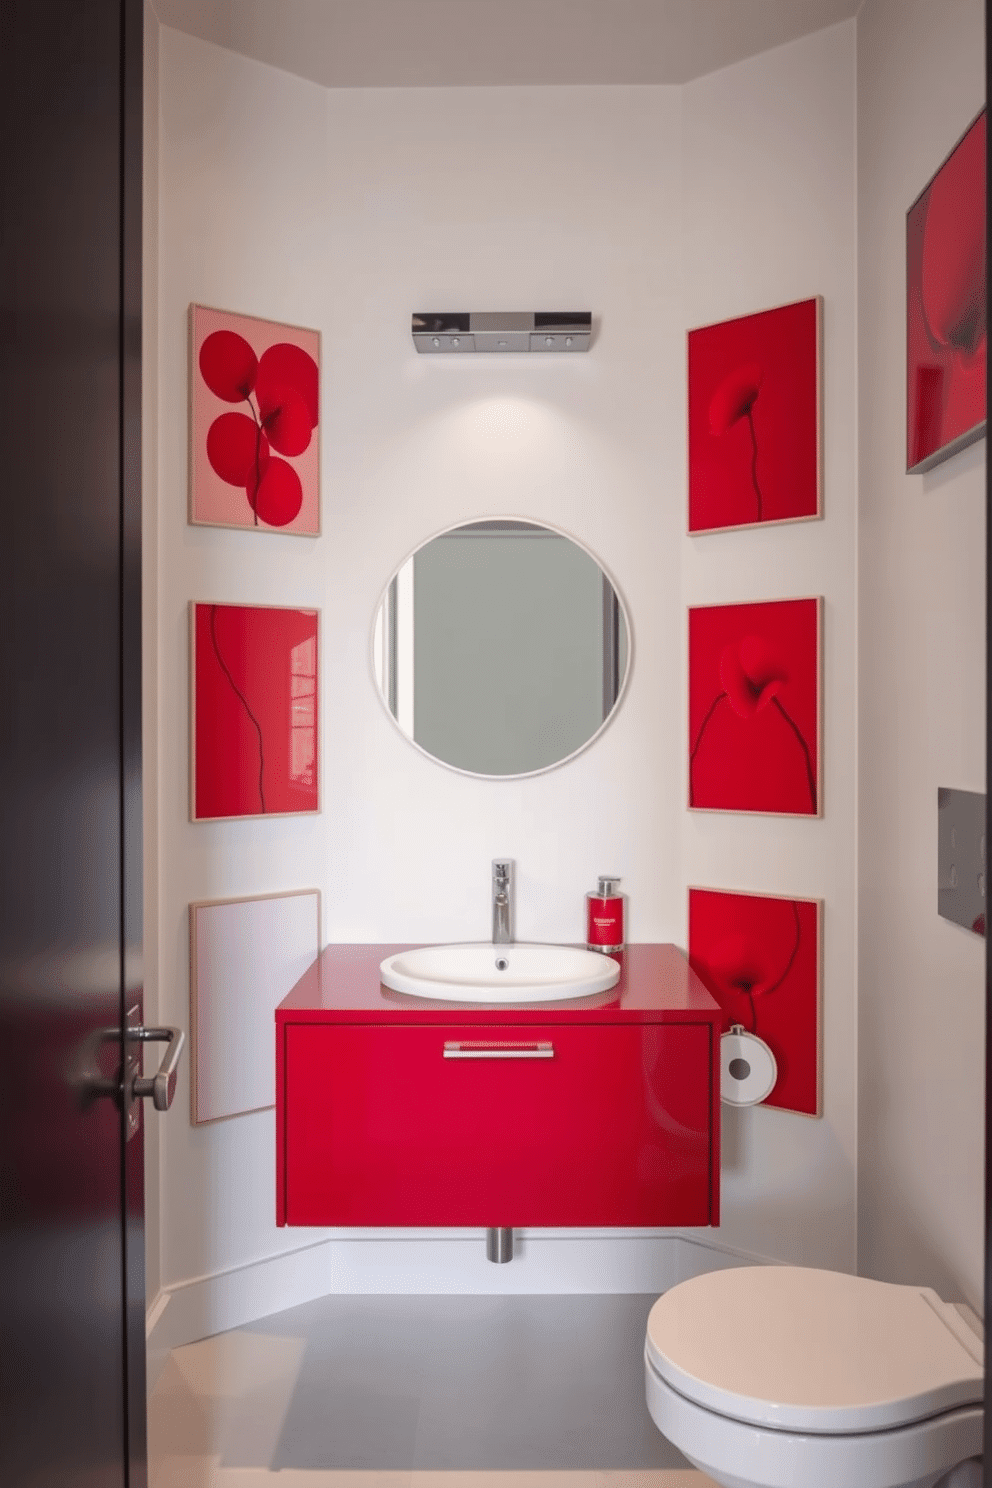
500, 648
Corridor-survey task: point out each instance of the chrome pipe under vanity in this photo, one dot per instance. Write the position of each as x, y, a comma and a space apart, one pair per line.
499, 1246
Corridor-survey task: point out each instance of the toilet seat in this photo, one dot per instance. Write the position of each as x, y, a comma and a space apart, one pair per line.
738, 1455
816, 1352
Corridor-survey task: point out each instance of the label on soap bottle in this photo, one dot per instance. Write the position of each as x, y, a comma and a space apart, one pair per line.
604, 923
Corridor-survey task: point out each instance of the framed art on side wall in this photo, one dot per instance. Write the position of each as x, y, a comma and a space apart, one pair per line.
759, 955
754, 707
245, 955
947, 307
254, 704
754, 418
254, 412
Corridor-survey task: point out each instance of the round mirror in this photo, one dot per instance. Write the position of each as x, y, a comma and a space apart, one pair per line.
500, 648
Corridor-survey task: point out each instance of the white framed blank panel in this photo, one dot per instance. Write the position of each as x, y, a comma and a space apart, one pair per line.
245, 955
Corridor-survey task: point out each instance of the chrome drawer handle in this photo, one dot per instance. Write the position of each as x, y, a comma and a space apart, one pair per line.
487, 1049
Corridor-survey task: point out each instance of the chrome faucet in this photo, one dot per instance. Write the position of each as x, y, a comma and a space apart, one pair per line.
502, 903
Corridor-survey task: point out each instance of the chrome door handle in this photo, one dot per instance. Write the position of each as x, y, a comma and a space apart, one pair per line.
490, 1049
162, 1085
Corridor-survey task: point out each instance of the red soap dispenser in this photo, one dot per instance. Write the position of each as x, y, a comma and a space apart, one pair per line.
604, 916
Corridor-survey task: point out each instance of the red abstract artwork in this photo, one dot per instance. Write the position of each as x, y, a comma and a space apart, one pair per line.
947, 307
253, 711
754, 408
254, 448
754, 707
760, 958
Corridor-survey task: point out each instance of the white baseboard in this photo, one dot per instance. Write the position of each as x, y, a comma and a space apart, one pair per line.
154, 1311
426, 1262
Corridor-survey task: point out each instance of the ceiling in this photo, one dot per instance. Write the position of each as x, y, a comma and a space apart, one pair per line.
498, 43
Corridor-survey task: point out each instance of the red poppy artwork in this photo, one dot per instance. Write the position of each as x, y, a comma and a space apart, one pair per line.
947, 307
754, 419
253, 711
255, 408
760, 958
754, 707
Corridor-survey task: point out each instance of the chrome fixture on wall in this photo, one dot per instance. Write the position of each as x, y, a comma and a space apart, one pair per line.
456, 331
961, 858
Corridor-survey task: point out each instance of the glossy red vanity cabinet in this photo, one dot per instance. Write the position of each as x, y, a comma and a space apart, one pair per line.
392, 1110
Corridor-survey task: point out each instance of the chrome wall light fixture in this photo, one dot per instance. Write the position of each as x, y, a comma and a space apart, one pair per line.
437, 331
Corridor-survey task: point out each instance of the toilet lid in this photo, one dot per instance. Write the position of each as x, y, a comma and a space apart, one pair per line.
818, 1351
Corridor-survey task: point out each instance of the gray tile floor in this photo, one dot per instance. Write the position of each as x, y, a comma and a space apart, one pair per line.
485, 1383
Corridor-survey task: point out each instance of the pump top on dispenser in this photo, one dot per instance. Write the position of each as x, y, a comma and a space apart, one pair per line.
604, 915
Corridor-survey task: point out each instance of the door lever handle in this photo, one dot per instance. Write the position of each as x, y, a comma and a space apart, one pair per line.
162, 1085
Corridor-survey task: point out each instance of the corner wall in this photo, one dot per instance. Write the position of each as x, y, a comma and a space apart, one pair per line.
769, 202
921, 693
344, 210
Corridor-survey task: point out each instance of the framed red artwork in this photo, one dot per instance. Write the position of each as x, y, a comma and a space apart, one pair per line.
947, 307
754, 707
254, 698
754, 419
254, 411
760, 958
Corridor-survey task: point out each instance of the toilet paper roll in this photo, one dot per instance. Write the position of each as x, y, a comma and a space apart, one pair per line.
747, 1069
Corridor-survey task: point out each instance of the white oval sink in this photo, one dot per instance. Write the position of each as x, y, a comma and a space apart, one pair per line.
499, 973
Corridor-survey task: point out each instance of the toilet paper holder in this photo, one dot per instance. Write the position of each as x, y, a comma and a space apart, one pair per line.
748, 1068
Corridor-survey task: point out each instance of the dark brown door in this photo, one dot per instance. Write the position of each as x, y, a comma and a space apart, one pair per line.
71, 1226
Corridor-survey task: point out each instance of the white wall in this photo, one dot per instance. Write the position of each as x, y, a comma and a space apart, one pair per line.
769, 193
241, 224
346, 210
921, 693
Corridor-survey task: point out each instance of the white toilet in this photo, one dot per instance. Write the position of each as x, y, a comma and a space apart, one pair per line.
786, 1377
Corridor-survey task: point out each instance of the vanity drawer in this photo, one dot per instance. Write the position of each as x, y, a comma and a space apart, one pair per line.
508, 1125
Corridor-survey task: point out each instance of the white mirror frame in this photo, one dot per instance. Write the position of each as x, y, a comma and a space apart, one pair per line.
532, 521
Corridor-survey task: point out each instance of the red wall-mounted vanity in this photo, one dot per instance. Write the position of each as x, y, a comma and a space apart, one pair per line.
393, 1110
